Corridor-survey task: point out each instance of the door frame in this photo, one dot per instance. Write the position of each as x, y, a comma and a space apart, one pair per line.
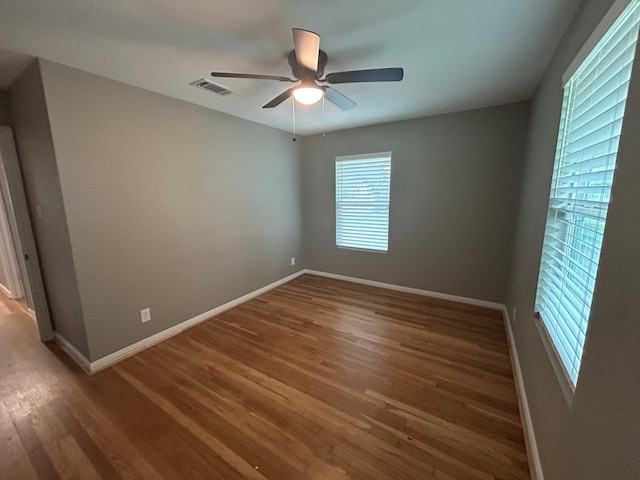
23, 234
8, 251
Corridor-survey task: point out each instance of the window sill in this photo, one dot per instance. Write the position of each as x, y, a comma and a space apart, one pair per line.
568, 390
369, 250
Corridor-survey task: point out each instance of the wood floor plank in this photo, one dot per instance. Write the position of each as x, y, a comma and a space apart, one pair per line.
14, 459
317, 379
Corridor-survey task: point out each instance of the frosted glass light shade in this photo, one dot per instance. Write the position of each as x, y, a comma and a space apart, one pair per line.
308, 95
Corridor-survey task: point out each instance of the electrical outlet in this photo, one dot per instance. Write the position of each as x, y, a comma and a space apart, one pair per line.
293, 261
145, 315
513, 317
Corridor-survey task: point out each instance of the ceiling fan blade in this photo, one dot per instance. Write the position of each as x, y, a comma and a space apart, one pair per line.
374, 75
252, 76
280, 98
307, 46
338, 99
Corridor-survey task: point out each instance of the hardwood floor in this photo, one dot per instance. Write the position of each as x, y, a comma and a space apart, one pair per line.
317, 379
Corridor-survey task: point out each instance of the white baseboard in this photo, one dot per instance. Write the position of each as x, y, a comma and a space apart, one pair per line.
415, 291
535, 466
73, 352
137, 347
530, 439
6, 291
533, 455
111, 359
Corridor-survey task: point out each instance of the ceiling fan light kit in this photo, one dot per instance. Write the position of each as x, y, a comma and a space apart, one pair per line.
307, 63
308, 95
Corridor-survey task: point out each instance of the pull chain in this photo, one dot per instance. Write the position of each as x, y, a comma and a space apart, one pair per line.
324, 125
293, 106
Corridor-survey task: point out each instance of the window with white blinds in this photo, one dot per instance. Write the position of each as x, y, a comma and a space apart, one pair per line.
362, 201
592, 115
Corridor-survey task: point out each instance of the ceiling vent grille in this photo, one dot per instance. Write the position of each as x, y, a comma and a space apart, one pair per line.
212, 87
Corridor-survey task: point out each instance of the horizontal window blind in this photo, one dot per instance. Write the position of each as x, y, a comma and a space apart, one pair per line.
592, 116
362, 201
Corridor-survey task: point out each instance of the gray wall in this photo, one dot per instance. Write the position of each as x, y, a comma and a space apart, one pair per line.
42, 187
594, 434
170, 205
5, 116
454, 189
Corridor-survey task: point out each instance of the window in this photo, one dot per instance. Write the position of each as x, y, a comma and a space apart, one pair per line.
593, 110
362, 201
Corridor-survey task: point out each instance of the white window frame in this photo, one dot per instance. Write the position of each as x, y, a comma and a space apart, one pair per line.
348, 158
600, 32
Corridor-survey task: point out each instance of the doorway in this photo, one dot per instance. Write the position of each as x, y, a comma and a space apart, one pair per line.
10, 275
19, 235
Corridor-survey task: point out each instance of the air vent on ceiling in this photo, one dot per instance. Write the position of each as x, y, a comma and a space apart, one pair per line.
212, 87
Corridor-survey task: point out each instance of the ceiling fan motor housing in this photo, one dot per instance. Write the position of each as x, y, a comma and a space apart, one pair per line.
302, 73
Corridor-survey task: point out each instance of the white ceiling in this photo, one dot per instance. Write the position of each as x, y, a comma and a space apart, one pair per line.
457, 54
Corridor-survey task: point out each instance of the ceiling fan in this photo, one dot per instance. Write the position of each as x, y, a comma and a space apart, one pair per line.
307, 63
